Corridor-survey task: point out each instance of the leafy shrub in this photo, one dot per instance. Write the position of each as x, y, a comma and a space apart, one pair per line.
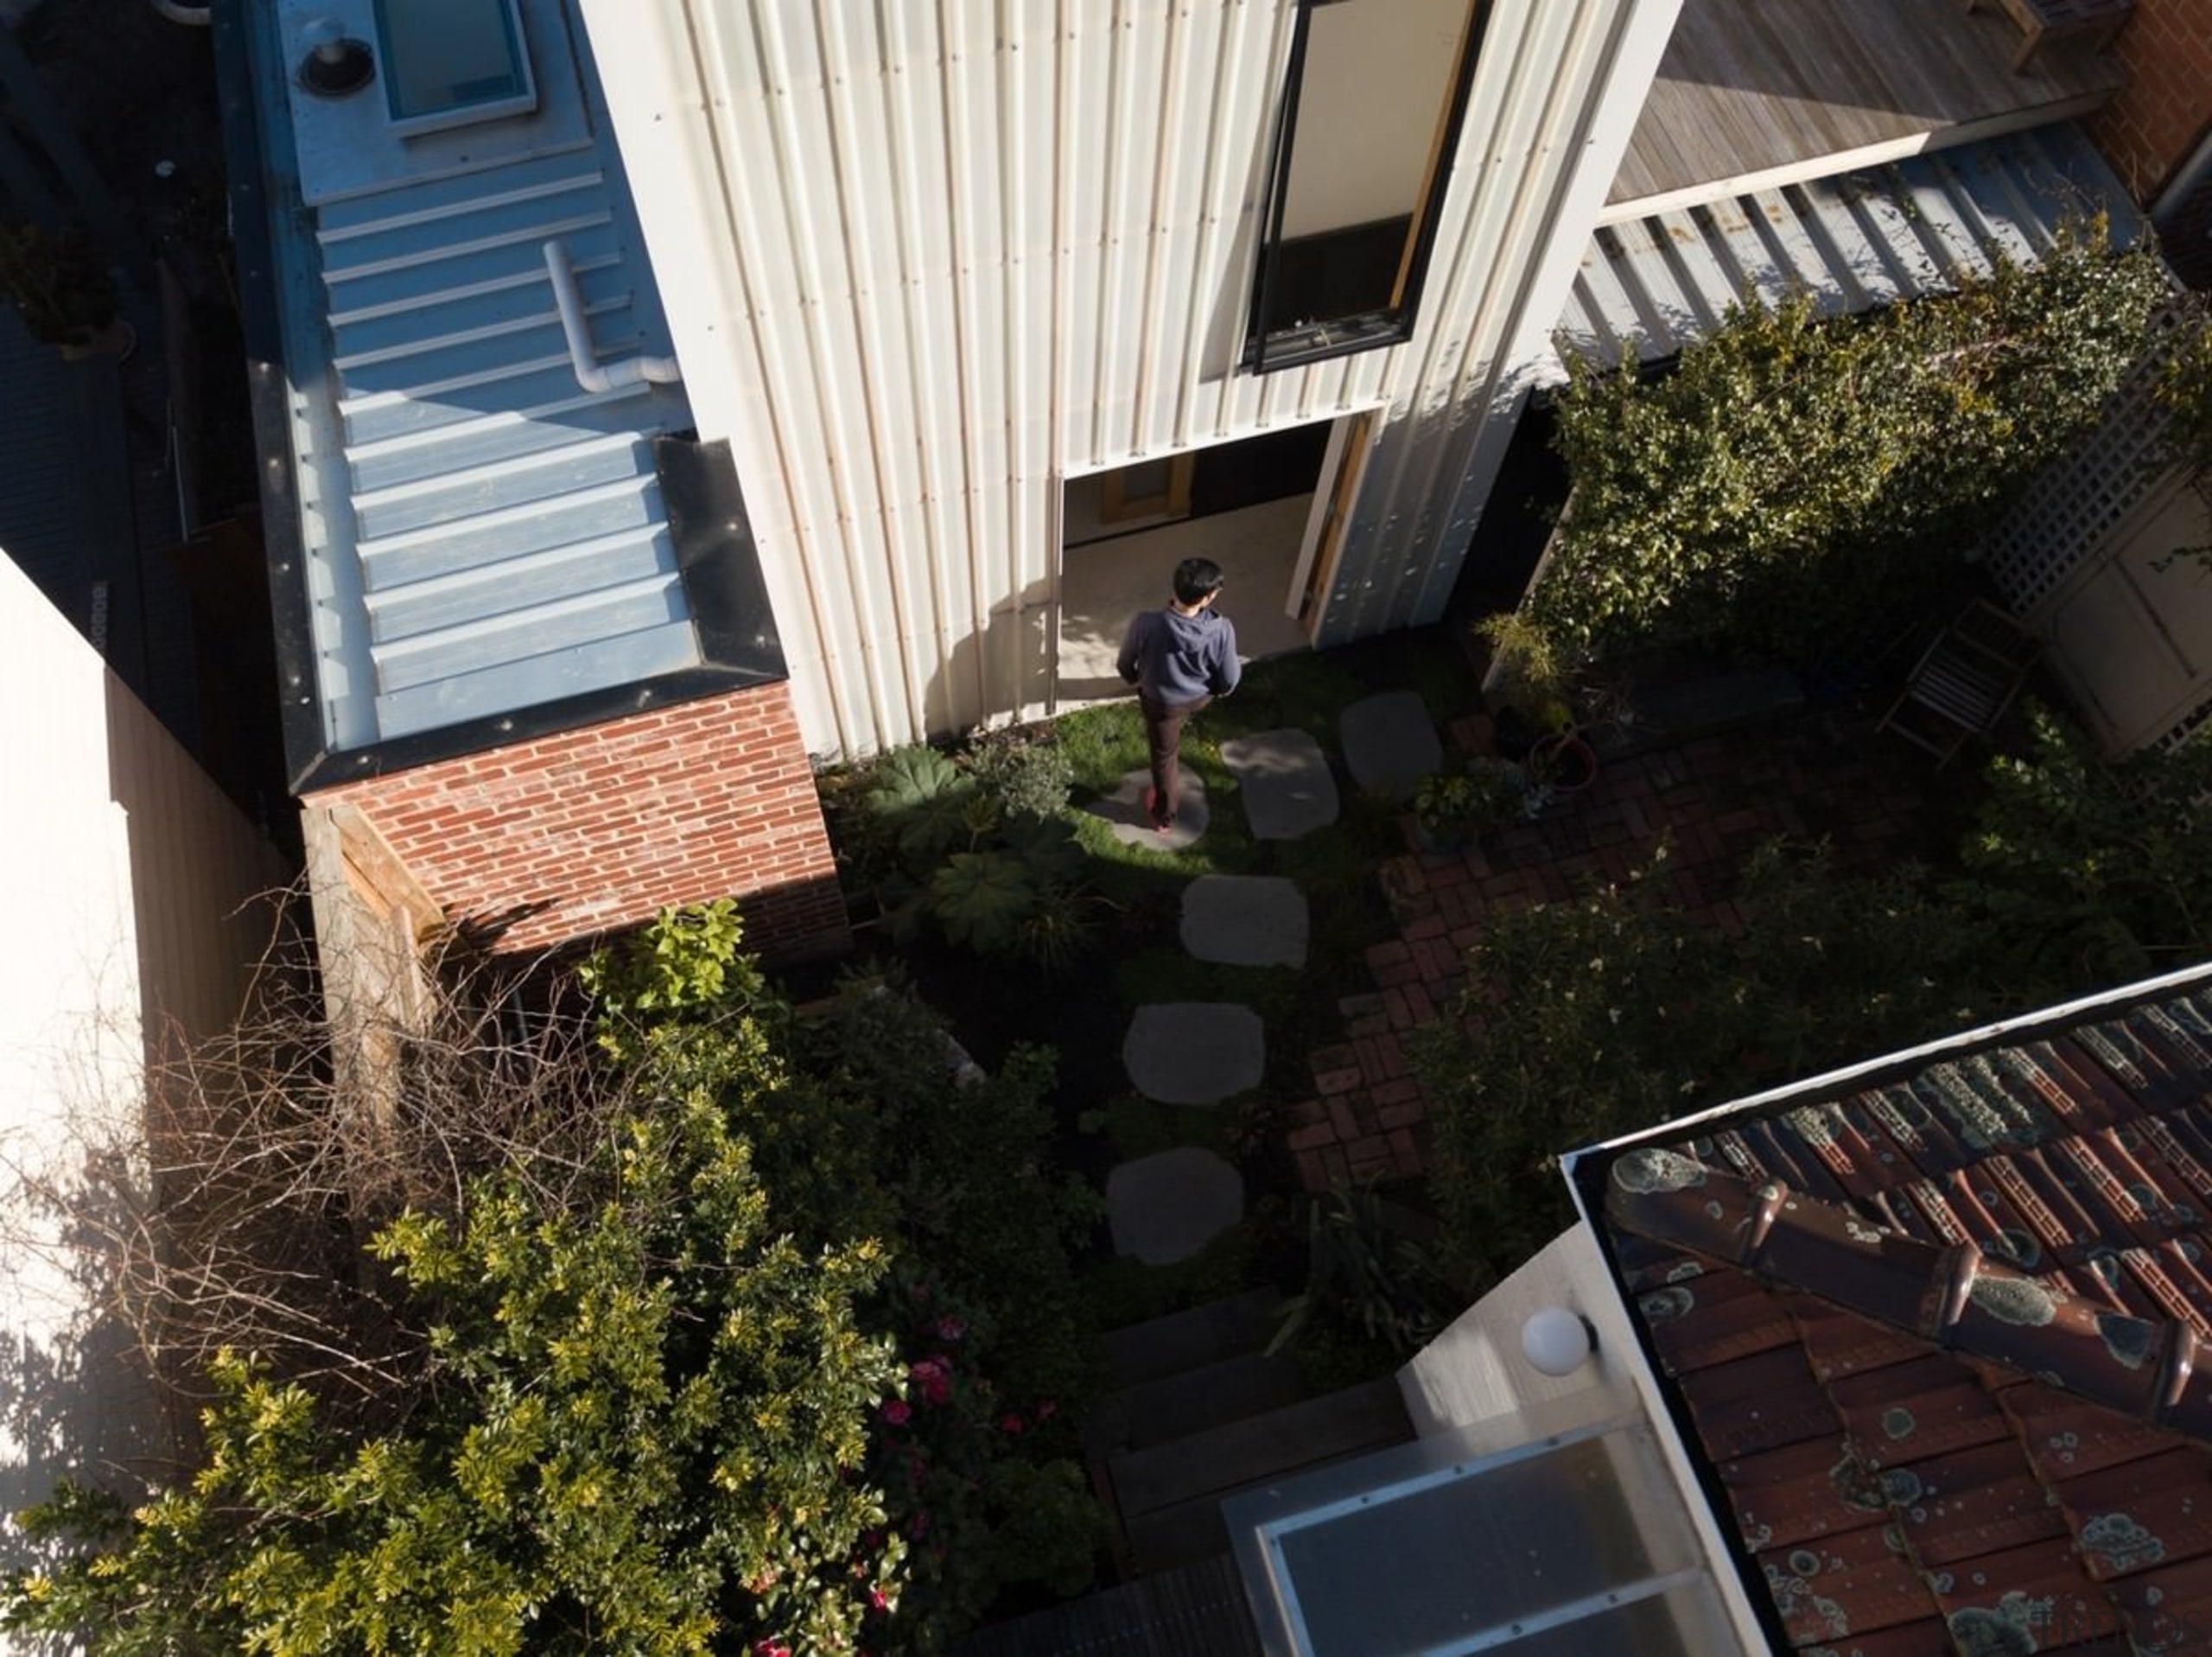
1024, 772
1619, 1010
1797, 482
980, 862
1366, 1279
2095, 874
1486, 793
643, 1432
780, 1353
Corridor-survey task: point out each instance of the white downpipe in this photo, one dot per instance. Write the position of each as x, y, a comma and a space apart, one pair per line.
592, 374
190, 16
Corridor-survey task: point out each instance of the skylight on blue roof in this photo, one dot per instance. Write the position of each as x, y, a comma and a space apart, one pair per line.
447, 63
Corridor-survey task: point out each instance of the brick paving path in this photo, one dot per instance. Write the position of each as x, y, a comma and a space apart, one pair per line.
1714, 799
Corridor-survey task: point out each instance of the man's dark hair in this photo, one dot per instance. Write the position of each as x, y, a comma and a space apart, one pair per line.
1195, 578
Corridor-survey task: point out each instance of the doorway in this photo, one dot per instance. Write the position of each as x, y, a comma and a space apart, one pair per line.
1255, 506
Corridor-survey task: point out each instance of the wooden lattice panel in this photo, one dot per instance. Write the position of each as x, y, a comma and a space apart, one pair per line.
2075, 503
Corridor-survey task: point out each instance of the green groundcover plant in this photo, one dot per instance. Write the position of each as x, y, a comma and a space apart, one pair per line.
784, 1363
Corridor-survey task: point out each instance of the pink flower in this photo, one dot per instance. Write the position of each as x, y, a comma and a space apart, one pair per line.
951, 1329
1047, 1410
770, 1649
895, 1411
933, 1379
1011, 1423
878, 1600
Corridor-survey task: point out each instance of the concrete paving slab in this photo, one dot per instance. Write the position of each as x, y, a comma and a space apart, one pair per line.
1164, 1208
1284, 778
1194, 1052
1245, 920
1123, 812
1390, 743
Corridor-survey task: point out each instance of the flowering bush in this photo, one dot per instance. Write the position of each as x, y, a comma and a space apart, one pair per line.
983, 1486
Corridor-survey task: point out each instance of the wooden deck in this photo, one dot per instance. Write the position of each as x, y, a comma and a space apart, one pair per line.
1756, 93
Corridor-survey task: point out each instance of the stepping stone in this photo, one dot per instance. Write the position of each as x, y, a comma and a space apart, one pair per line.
1194, 1052
1123, 812
1166, 1208
1390, 743
1285, 779
1245, 920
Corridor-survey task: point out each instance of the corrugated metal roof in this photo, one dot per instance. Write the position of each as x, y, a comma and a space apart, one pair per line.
1903, 230
484, 536
1892, 1494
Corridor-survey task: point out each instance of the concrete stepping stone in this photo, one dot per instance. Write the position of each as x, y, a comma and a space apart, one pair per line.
1245, 920
1391, 743
1285, 780
1123, 812
1164, 1208
1194, 1052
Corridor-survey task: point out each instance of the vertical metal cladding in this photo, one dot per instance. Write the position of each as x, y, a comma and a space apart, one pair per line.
953, 251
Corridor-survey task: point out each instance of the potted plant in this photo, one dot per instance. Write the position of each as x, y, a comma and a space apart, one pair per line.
1547, 701
1454, 806
1529, 681
61, 290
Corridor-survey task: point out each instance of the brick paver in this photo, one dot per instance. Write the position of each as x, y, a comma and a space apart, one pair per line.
1713, 799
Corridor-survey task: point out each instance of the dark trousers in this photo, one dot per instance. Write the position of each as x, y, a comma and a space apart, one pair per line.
1163, 735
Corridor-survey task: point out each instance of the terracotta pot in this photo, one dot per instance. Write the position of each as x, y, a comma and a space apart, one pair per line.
1566, 763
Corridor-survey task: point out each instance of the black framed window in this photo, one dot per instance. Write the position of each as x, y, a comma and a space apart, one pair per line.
1370, 122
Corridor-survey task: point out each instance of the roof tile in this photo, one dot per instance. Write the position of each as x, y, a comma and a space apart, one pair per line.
2143, 1512
1975, 1501
1853, 1584
1909, 1412
2047, 1205
1800, 1493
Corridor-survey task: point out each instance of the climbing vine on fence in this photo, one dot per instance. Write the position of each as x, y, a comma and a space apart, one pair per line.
1797, 482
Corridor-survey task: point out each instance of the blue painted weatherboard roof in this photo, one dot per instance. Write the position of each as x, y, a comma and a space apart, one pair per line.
482, 534
1649, 287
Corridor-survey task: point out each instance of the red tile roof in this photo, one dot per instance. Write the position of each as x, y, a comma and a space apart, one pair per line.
1939, 1339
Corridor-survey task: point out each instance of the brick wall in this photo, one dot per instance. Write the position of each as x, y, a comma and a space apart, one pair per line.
2156, 123
593, 830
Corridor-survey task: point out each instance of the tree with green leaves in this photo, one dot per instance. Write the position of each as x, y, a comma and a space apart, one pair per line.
697, 1329
642, 1431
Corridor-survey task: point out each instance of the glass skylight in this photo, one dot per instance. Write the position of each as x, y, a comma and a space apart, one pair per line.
1571, 1544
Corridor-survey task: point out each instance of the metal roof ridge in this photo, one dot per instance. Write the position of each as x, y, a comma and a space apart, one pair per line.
1956, 1298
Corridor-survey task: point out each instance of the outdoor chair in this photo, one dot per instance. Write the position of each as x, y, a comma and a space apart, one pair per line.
1963, 681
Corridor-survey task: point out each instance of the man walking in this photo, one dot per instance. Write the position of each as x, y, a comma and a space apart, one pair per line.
1180, 659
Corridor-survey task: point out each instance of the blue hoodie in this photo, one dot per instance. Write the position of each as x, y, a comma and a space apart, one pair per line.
1174, 658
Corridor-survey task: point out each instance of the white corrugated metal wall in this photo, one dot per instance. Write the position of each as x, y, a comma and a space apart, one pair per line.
923, 261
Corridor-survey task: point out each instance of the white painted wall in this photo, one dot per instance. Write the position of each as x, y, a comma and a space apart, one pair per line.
922, 262
121, 871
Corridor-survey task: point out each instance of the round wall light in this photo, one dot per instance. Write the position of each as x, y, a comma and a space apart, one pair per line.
1557, 1341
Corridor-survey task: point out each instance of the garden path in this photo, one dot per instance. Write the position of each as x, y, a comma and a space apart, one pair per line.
1164, 1208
